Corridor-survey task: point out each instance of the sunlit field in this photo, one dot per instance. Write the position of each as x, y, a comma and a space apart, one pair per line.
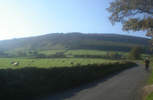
80, 52
49, 52
46, 63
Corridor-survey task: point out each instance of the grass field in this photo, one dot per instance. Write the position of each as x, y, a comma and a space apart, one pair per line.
50, 52
46, 63
59, 62
85, 52
79, 52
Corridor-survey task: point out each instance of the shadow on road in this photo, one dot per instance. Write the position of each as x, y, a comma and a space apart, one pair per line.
72, 92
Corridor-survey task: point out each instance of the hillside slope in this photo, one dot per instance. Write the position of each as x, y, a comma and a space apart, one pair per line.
75, 41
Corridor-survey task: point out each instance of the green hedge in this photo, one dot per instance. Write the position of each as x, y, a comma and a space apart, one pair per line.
31, 82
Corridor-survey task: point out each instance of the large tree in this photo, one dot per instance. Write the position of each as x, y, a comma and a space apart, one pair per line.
136, 15
135, 53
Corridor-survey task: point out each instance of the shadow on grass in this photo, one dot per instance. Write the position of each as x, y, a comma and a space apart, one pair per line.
29, 83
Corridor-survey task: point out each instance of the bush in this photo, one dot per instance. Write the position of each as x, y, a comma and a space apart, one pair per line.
40, 56
135, 53
114, 55
25, 83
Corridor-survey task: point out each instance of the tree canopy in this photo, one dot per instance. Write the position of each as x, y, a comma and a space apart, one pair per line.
136, 15
135, 53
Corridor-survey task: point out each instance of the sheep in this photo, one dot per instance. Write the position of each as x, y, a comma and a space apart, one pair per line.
15, 63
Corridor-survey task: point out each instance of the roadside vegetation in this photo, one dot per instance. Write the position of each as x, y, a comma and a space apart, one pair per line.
31, 82
149, 96
150, 81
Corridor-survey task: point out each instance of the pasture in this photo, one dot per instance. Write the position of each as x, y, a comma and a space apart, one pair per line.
33, 77
47, 63
50, 52
86, 52
80, 52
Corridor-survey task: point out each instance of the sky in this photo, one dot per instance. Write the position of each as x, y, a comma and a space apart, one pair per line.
24, 18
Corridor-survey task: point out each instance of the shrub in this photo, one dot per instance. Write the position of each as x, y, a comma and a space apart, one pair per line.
135, 53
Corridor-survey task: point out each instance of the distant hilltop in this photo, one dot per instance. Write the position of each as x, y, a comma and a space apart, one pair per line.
75, 40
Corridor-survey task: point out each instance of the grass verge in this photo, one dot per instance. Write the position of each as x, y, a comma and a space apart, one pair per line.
150, 97
150, 82
25, 83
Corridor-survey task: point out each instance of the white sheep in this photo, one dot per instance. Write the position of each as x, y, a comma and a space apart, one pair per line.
15, 63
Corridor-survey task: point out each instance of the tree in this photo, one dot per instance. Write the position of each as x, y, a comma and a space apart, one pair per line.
113, 55
136, 15
135, 53
33, 53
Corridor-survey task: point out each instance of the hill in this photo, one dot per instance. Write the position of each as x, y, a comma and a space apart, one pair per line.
111, 42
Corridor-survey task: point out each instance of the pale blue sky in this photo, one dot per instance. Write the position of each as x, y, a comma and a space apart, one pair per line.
22, 18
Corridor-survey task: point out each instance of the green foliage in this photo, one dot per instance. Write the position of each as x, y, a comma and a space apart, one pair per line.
25, 83
114, 55
50, 52
88, 54
135, 53
149, 97
150, 82
136, 15
137, 24
40, 56
133, 14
